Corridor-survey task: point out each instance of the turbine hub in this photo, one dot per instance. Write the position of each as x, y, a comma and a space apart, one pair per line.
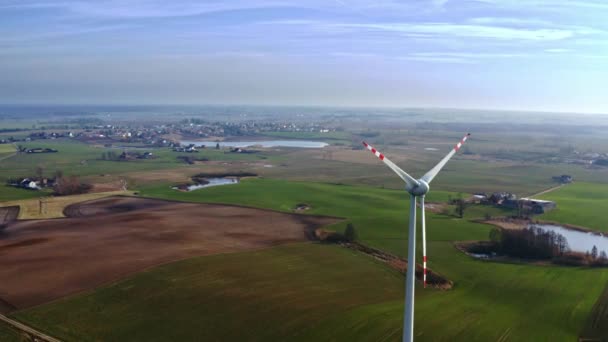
418, 190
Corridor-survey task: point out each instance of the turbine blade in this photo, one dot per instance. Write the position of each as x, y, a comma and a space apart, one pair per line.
406, 178
423, 219
428, 177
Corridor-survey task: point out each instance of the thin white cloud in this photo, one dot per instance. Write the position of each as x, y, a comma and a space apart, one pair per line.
557, 50
145, 8
525, 22
468, 31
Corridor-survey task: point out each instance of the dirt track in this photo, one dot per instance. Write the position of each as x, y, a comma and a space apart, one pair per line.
105, 240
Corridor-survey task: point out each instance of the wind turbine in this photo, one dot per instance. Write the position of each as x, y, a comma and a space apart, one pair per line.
416, 188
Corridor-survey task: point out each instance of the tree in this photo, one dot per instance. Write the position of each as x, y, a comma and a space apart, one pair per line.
603, 256
39, 172
461, 205
217, 146
70, 186
594, 252
496, 235
350, 233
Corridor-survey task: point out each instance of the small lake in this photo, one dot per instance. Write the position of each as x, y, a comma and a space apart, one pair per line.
212, 182
263, 143
578, 241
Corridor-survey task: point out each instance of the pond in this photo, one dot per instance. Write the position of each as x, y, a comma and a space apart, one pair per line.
578, 241
263, 143
212, 182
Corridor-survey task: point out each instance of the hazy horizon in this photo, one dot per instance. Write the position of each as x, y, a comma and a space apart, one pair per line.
543, 55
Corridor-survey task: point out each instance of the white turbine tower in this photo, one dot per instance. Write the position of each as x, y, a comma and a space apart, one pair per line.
416, 188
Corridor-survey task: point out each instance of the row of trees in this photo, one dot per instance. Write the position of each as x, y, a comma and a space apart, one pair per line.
110, 155
529, 243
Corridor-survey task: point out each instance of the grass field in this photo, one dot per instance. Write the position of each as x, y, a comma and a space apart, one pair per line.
316, 292
78, 158
581, 204
10, 193
7, 334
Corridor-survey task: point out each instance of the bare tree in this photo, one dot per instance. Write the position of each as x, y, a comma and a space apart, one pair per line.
39, 171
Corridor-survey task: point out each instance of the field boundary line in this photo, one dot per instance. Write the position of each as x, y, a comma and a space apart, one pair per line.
26, 329
547, 190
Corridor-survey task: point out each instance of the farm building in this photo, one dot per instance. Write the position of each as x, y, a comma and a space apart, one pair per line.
537, 206
564, 179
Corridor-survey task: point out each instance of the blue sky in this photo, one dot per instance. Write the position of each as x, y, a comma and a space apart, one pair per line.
504, 54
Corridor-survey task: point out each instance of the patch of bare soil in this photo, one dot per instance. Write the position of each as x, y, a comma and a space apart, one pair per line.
6, 307
105, 240
433, 279
8, 215
508, 223
438, 208
118, 185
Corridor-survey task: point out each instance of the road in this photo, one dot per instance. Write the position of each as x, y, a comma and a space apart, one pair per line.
24, 328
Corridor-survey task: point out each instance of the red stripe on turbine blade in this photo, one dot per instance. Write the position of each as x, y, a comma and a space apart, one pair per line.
373, 150
364, 143
424, 271
381, 156
424, 258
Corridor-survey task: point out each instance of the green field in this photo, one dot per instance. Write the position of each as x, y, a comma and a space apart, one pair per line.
77, 158
9, 193
7, 334
581, 204
316, 292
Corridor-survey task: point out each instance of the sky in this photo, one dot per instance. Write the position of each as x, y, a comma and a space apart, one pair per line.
544, 55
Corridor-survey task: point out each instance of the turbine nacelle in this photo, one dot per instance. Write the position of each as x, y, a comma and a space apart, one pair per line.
419, 189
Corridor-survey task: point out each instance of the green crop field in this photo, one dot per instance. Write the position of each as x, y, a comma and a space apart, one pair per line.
316, 292
7, 334
581, 204
9, 193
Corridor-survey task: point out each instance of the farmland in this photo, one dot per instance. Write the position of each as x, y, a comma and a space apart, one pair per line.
53, 206
7, 334
190, 276
327, 279
7, 148
581, 204
143, 233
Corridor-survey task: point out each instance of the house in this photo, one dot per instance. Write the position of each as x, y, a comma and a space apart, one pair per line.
29, 184
502, 198
563, 179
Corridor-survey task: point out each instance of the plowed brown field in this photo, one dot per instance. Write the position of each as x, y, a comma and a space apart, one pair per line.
105, 240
